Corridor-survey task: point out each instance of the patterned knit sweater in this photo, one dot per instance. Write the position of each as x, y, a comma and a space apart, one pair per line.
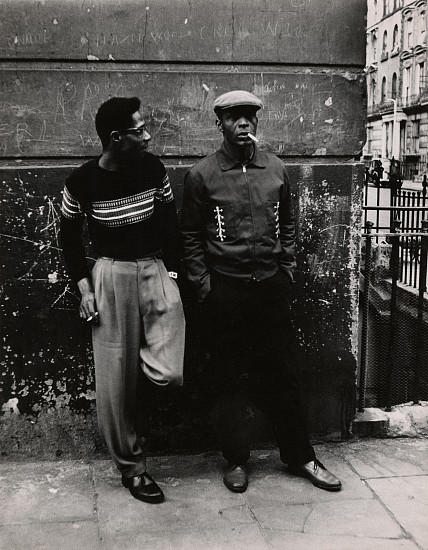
130, 214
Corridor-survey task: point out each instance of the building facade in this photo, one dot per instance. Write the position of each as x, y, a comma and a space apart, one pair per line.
397, 85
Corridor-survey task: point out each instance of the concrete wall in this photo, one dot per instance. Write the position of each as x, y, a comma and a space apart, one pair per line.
59, 62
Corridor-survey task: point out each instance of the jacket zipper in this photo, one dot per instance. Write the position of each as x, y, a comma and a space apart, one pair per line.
244, 171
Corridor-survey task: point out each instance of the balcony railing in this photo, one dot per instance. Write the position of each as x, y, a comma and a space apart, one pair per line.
382, 107
410, 101
416, 99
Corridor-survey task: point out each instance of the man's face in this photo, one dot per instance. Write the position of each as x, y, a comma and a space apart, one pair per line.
236, 123
135, 139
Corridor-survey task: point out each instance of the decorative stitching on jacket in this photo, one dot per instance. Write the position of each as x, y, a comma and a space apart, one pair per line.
276, 214
221, 234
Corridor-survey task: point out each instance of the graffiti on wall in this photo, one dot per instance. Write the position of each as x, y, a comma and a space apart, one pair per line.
46, 113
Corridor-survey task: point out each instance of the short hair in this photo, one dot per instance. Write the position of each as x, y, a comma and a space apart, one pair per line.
115, 114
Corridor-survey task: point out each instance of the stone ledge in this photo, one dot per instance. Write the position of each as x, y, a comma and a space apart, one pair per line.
405, 420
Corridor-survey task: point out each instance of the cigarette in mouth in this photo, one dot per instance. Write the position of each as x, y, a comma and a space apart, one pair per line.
253, 138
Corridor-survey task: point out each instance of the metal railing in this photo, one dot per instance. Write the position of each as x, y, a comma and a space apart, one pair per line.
414, 378
402, 102
409, 223
403, 209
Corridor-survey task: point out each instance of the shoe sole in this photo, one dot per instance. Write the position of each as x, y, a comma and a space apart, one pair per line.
236, 489
154, 500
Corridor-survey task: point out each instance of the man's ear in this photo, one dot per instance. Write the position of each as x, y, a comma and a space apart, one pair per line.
219, 125
115, 136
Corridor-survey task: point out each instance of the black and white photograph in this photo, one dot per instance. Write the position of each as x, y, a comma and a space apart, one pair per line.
214, 275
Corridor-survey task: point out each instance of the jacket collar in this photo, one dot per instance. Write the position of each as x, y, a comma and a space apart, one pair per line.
227, 162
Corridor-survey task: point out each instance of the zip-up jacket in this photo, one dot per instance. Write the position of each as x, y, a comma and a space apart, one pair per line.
237, 219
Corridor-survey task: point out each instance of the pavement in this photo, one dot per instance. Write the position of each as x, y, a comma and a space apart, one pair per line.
82, 505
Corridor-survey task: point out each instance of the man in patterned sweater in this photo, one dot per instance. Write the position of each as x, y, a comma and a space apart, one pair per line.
131, 296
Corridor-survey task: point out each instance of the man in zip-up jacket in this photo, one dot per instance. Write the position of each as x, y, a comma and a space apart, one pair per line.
239, 242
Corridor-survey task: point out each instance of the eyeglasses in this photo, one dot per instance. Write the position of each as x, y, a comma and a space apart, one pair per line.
140, 131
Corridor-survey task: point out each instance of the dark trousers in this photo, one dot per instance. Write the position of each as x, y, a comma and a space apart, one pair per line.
249, 338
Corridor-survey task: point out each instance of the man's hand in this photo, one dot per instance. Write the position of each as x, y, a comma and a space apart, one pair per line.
88, 308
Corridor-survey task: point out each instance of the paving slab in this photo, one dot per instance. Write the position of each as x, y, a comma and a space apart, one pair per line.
189, 499
46, 492
287, 518
241, 537
386, 458
76, 535
407, 499
280, 540
365, 518
78, 505
199, 512
274, 484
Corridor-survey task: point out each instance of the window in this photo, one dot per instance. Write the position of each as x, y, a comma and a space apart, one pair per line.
394, 86
373, 91
385, 42
422, 27
384, 46
422, 77
402, 136
387, 141
369, 139
395, 39
416, 127
418, 69
409, 33
374, 46
383, 90
406, 85
390, 136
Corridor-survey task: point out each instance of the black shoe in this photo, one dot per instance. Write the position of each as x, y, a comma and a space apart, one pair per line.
318, 474
236, 479
143, 487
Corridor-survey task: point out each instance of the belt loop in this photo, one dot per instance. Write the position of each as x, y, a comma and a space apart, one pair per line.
112, 261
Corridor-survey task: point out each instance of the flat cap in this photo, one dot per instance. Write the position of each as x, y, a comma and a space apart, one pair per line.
236, 98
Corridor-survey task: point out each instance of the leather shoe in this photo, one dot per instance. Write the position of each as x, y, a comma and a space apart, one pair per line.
236, 479
318, 474
144, 488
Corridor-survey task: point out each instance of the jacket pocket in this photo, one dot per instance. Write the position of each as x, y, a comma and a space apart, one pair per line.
221, 222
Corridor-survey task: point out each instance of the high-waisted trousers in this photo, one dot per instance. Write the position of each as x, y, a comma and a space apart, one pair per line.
140, 335
250, 340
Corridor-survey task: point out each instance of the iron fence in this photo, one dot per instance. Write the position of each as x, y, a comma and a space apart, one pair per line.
404, 210
393, 364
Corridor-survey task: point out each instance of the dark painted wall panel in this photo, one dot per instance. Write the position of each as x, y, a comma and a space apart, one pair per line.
51, 113
51, 367
286, 31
